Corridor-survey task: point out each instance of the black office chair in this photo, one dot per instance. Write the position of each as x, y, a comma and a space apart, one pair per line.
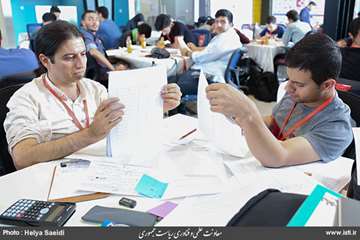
353, 101
15, 79
6, 162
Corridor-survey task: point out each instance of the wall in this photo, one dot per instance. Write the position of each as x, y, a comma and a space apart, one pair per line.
257, 11
121, 12
24, 13
78, 3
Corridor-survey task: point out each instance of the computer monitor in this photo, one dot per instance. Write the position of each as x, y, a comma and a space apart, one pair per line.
68, 13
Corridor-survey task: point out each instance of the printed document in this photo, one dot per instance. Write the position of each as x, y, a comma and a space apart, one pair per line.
221, 132
109, 176
137, 138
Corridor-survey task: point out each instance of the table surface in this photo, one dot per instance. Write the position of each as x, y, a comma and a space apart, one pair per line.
34, 182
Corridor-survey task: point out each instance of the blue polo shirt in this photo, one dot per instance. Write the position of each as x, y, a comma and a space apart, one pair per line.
305, 15
17, 60
109, 33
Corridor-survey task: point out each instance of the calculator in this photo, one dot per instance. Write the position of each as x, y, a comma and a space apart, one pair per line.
26, 212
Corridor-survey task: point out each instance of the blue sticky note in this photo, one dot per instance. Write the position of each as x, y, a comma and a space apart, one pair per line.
150, 187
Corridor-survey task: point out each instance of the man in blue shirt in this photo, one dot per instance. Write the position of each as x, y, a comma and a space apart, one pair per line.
108, 31
14, 61
305, 12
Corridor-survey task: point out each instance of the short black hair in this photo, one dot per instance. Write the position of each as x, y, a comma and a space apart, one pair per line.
50, 37
103, 11
144, 28
86, 12
54, 9
210, 21
270, 19
354, 27
293, 15
318, 54
312, 3
162, 21
48, 17
224, 13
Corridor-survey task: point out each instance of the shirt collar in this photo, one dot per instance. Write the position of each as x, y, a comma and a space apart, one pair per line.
61, 94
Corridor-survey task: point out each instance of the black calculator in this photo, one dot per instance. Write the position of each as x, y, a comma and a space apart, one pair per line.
26, 212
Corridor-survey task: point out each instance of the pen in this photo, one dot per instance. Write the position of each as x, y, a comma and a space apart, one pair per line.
187, 134
51, 183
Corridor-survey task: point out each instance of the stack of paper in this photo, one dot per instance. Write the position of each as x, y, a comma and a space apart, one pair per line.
137, 138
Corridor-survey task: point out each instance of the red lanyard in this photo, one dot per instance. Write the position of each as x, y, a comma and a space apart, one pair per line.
69, 111
301, 122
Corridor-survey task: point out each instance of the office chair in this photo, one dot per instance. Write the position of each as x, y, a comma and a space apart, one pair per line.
202, 37
353, 101
232, 72
6, 162
15, 79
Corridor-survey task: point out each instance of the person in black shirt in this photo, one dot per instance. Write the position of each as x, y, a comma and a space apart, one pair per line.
143, 30
351, 54
176, 32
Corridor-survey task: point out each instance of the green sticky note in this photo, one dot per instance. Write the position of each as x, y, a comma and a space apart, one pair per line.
150, 187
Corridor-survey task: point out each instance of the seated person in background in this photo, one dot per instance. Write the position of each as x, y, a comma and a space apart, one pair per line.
176, 32
56, 11
108, 31
46, 19
202, 23
16, 60
135, 22
296, 30
214, 58
272, 29
142, 31
351, 55
62, 112
309, 124
95, 48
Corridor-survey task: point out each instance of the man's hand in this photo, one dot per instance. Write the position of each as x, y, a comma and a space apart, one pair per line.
171, 95
229, 101
192, 46
107, 116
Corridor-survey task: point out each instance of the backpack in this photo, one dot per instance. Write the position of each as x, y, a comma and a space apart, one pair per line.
264, 86
248, 69
159, 53
270, 208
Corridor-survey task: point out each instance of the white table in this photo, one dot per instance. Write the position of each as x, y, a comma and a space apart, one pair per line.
176, 64
265, 54
33, 182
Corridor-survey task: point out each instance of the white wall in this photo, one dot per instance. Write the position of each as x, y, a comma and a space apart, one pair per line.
242, 10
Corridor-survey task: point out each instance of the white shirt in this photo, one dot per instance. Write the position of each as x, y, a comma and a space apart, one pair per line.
215, 57
34, 112
295, 31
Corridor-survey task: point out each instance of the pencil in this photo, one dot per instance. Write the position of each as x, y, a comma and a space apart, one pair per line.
51, 183
187, 134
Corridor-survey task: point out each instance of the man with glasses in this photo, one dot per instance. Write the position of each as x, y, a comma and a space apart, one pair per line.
214, 58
